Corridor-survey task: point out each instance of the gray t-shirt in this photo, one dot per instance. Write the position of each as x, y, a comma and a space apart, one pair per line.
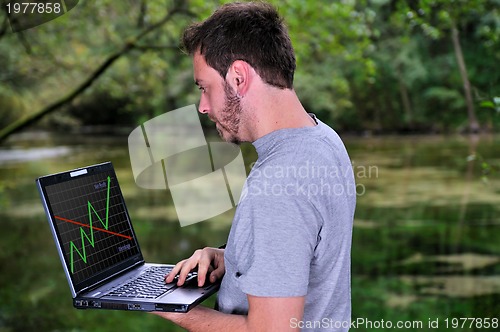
291, 234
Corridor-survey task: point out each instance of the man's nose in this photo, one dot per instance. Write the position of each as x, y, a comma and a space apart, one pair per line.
203, 107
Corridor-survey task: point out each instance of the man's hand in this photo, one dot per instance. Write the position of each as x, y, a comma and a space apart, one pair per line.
209, 261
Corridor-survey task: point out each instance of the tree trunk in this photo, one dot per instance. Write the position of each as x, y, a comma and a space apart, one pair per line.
405, 98
473, 124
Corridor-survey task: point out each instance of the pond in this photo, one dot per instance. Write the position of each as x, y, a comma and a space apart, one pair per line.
426, 241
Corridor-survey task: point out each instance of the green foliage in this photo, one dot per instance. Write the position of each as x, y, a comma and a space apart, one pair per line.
418, 82
12, 106
493, 104
370, 64
103, 109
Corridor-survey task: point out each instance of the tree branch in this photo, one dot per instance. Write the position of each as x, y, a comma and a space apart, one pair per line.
128, 45
142, 14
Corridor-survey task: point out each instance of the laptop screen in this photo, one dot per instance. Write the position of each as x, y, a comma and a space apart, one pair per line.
91, 222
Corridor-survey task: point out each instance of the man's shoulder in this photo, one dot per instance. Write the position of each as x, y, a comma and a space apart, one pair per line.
321, 143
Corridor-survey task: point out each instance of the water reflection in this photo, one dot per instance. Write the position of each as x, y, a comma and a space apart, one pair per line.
425, 243
27, 155
473, 141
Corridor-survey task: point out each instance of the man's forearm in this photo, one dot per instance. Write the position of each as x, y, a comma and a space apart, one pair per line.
205, 319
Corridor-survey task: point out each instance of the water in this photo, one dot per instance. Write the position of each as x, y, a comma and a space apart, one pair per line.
426, 244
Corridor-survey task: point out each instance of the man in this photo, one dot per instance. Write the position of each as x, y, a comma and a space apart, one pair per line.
287, 261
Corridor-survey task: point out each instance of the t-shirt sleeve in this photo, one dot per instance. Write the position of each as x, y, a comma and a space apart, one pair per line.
282, 237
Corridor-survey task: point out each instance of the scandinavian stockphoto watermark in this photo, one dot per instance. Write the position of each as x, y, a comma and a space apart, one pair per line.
492, 323
25, 14
308, 179
170, 151
206, 179
365, 323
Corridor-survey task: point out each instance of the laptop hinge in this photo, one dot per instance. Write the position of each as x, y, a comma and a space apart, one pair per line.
100, 283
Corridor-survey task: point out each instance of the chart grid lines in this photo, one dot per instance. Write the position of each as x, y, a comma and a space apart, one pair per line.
92, 223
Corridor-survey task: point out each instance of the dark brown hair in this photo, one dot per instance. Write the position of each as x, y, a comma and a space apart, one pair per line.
251, 31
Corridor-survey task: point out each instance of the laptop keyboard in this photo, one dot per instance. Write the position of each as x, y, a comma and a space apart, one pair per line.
149, 285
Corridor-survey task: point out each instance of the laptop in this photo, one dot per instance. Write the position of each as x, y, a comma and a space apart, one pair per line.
99, 250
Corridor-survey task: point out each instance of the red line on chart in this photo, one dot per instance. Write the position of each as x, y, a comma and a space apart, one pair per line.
96, 228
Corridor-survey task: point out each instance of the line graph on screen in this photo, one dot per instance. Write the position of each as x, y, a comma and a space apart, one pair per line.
89, 238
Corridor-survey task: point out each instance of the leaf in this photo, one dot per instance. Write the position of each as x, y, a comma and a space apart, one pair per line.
487, 104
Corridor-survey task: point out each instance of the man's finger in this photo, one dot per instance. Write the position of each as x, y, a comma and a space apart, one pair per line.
203, 267
175, 270
187, 267
217, 274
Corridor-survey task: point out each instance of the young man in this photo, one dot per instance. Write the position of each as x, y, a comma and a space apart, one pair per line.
287, 261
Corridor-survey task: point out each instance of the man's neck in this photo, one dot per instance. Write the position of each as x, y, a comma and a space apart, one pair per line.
276, 109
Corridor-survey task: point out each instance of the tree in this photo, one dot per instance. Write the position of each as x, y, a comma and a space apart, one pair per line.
128, 44
438, 17
381, 65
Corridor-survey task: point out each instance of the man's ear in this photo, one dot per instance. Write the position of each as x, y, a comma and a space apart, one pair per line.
239, 76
